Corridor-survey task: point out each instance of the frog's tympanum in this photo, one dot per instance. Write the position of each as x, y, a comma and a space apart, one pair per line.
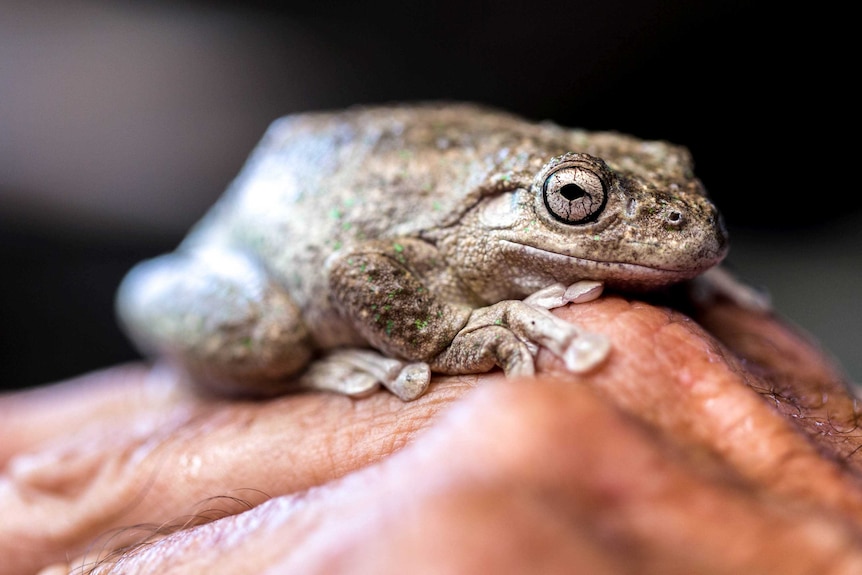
378, 245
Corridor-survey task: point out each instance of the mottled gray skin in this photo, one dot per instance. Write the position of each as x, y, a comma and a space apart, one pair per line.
416, 230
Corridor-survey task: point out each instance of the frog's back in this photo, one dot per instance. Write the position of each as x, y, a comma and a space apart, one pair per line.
320, 181
368, 172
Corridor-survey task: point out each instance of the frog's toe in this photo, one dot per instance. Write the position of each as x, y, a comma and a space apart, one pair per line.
411, 382
339, 377
583, 291
557, 295
520, 369
586, 351
358, 384
550, 297
360, 372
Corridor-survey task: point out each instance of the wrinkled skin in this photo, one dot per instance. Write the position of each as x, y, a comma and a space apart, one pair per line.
730, 450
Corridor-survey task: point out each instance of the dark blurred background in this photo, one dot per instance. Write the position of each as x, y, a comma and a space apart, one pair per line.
120, 122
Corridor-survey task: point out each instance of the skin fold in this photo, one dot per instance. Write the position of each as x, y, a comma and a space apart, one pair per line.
725, 442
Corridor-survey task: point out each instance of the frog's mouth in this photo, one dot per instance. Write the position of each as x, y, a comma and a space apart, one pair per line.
613, 273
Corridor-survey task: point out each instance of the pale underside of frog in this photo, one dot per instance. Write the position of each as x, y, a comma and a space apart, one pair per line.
375, 246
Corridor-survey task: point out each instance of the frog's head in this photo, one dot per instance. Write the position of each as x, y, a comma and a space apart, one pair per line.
581, 218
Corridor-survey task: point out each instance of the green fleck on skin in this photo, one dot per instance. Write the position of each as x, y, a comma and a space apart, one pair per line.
421, 324
389, 325
393, 293
335, 214
398, 247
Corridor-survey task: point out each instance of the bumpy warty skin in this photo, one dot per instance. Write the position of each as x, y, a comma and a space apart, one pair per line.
472, 206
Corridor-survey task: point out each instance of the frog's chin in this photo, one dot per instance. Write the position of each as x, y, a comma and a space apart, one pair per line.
615, 274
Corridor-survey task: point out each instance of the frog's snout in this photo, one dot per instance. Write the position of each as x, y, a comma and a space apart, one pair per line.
695, 227
702, 223
705, 218
678, 215
721, 237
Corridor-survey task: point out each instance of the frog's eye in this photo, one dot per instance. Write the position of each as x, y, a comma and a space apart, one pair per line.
574, 194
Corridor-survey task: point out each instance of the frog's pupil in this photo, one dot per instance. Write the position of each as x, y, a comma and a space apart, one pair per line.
572, 192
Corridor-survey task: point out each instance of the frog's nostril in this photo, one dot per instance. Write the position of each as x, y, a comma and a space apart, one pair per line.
674, 218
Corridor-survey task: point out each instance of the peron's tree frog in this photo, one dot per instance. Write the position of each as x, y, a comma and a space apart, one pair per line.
378, 245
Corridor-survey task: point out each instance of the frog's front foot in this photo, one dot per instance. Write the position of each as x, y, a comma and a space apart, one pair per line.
507, 334
557, 295
360, 372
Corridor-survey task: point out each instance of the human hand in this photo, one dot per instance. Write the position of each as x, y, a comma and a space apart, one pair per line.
679, 455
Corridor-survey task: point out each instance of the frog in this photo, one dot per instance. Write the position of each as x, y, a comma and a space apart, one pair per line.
380, 245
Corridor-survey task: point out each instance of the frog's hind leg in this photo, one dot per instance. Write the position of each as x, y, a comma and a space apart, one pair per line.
220, 317
359, 372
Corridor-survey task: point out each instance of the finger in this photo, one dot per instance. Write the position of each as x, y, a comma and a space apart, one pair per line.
151, 465
665, 371
28, 418
545, 477
799, 379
